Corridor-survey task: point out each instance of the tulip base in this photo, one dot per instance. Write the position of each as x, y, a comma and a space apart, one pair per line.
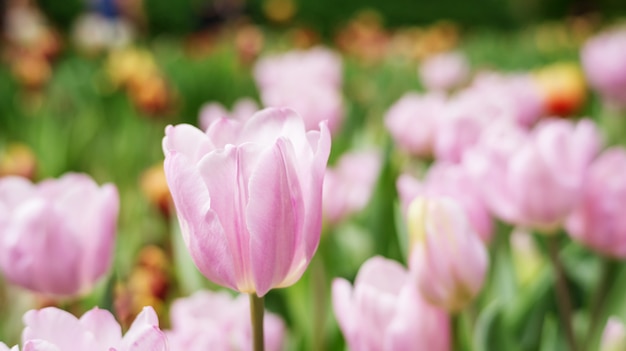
256, 316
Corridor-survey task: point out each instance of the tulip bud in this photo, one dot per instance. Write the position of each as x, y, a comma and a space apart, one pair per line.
614, 336
447, 256
249, 197
445, 71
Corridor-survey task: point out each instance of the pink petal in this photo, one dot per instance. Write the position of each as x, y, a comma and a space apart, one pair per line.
144, 334
103, 326
188, 140
275, 216
201, 228
57, 327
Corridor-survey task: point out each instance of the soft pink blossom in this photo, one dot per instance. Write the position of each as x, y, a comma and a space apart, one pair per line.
308, 81
218, 321
598, 221
447, 256
349, 185
53, 329
57, 237
412, 122
534, 179
453, 180
249, 197
445, 71
242, 109
604, 62
384, 311
516, 96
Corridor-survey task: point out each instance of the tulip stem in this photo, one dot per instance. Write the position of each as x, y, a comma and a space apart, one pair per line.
562, 294
609, 268
256, 315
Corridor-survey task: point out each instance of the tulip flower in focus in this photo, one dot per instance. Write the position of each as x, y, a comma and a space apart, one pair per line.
249, 197
453, 180
384, 311
534, 179
444, 72
217, 321
349, 186
57, 237
308, 81
604, 61
412, 122
55, 329
598, 221
242, 109
447, 256
614, 336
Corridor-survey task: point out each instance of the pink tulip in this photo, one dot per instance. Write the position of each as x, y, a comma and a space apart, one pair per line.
604, 62
614, 336
453, 180
445, 71
57, 237
447, 256
219, 322
349, 186
307, 81
598, 221
412, 122
53, 329
249, 197
465, 118
514, 96
535, 179
243, 108
384, 311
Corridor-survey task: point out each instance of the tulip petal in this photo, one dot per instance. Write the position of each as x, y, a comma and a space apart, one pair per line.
275, 216
188, 140
201, 228
144, 334
103, 326
57, 327
40, 345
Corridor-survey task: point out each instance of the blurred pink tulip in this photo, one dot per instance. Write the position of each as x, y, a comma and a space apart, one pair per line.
614, 336
445, 71
249, 197
53, 329
57, 237
384, 311
447, 256
514, 96
412, 122
460, 127
604, 62
307, 81
242, 109
453, 180
349, 185
219, 322
534, 179
598, 221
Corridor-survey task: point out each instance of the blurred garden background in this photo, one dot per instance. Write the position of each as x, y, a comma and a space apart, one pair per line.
89, 87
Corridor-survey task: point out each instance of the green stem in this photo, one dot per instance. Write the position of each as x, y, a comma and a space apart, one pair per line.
256, 315
318, 277
609, 267
562, 293
462, 332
